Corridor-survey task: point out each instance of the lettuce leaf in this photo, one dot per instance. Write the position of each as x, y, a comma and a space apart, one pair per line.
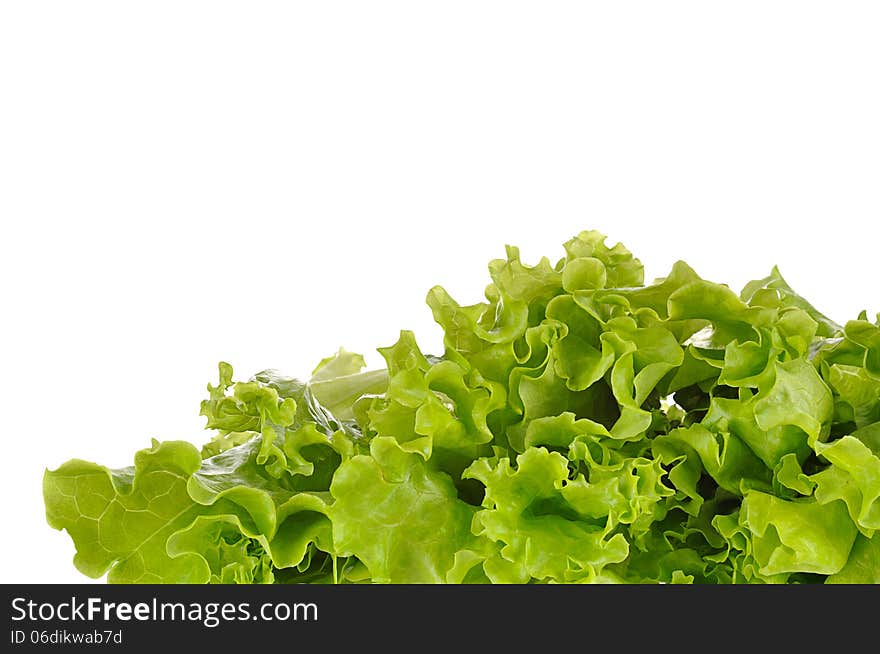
581, 425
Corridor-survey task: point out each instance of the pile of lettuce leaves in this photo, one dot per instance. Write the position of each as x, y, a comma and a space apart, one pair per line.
580, 427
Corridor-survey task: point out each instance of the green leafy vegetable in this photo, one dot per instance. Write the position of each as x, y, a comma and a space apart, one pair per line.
580, 426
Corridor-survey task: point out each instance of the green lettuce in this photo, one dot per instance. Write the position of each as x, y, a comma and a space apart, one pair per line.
580, 426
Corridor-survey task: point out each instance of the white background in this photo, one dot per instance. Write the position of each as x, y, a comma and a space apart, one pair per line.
184, 182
